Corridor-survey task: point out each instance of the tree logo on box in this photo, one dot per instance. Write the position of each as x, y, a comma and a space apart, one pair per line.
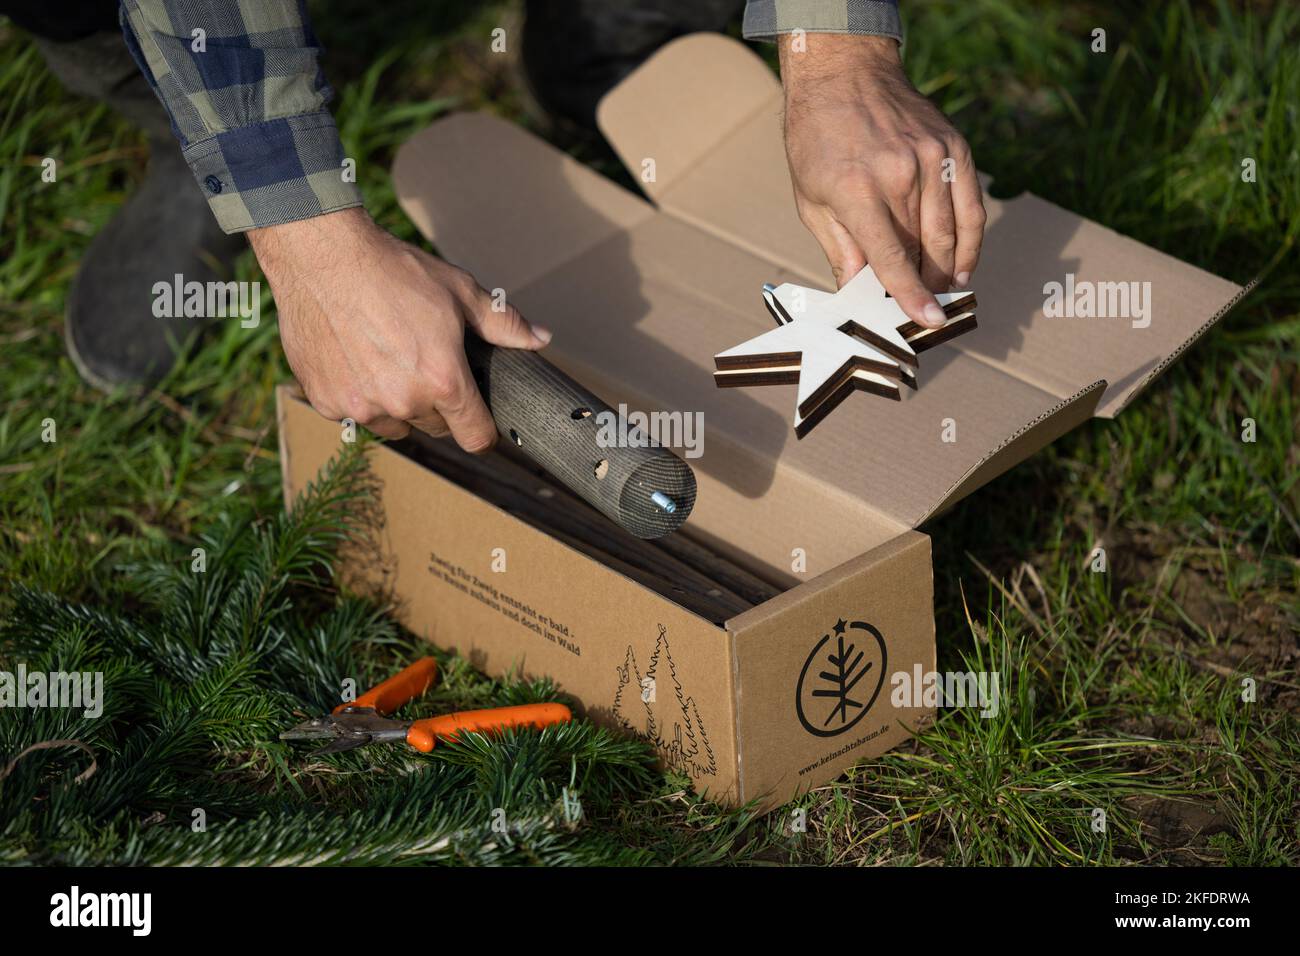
841, 678
665, 717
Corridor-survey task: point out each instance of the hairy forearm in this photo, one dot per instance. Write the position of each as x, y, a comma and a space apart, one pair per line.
292, 251
812, 62
880, 176
374, 328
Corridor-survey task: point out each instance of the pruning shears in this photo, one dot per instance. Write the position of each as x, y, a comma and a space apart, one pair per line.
364, 721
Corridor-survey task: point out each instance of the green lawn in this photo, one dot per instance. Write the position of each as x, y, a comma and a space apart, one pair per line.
1124, 688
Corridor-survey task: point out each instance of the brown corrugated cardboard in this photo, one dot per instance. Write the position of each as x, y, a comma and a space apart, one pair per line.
435, 548
641, 296
671, 286
882, 603
723, 133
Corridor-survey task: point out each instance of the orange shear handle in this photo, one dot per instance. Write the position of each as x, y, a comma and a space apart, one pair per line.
406, 685
424, 734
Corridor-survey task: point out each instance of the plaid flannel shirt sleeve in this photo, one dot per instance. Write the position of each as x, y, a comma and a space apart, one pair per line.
247, 102
764, 19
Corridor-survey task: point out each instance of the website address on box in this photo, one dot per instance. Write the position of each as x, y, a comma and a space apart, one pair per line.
835, 754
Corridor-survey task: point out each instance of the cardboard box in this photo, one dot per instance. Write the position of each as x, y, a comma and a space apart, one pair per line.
641, 294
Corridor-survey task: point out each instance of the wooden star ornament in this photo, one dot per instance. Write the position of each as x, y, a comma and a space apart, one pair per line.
831, 344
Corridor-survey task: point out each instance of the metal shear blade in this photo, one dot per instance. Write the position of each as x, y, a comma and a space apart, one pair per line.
348, 729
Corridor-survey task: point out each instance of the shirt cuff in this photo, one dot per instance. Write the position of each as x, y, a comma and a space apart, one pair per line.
764, 19
279, 170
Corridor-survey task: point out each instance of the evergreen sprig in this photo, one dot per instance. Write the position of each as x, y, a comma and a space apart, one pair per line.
203, 671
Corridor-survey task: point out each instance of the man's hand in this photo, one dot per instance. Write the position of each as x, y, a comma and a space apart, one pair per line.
374, 328
867, 157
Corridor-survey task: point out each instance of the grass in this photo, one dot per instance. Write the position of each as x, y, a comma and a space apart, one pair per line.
1122, 690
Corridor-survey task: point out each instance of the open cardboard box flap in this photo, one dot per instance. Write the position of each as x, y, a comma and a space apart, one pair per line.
641, 297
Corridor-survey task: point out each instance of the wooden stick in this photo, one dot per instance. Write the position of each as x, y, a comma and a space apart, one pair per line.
513, 468
553, 509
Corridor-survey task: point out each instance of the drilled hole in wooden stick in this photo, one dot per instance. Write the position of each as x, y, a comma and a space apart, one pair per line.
580, 413
514, 437
602, 468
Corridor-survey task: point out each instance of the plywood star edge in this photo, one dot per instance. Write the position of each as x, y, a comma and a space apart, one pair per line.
832, 344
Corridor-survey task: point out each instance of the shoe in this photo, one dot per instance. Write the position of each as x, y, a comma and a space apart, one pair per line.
163, 230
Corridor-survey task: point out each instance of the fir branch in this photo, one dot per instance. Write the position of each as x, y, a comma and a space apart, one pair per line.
209, 666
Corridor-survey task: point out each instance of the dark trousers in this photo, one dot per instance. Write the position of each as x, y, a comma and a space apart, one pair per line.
574, 50
62, 20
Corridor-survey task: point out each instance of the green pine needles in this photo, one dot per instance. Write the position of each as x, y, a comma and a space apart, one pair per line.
207, 667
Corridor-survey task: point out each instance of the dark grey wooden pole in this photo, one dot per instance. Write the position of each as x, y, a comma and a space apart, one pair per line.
555, 421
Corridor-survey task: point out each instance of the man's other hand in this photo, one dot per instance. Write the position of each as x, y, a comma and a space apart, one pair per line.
374, 328
880, 175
